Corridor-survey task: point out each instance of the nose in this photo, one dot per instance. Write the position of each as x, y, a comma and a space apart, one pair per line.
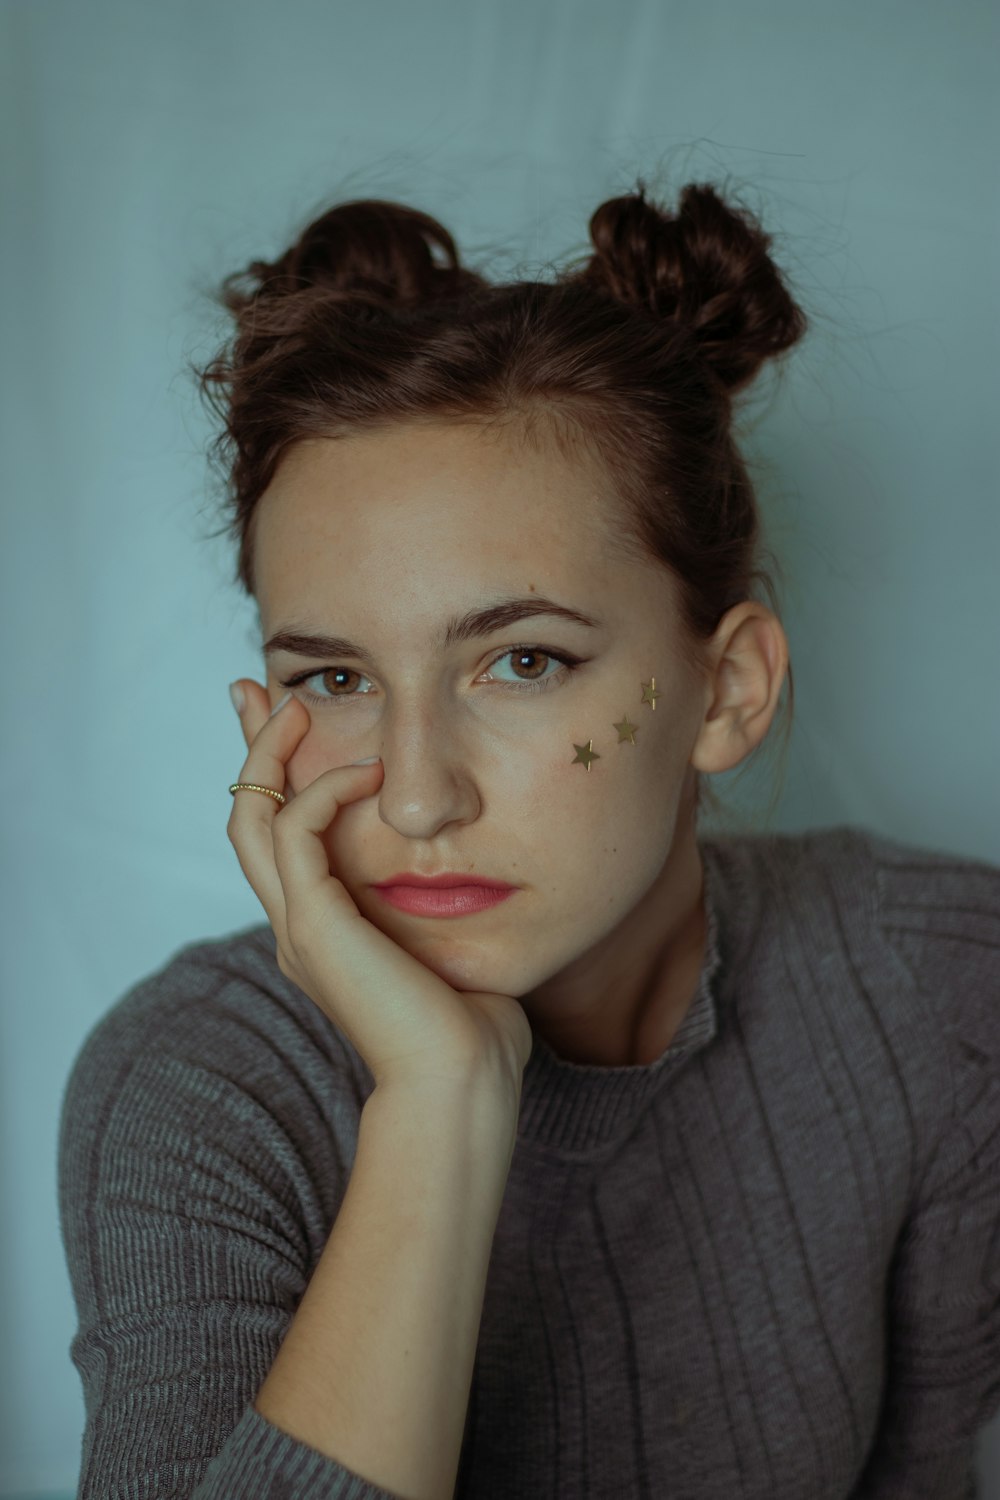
427, 782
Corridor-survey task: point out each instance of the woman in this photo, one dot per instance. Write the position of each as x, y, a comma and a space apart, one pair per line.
538, 1144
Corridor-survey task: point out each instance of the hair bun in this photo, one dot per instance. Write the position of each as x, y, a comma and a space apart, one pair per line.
707, 268
366, 251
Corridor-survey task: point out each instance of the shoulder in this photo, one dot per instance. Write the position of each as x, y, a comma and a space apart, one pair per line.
941, 913
213, 1001
851, 889
880, 952
214, 1060
936, 912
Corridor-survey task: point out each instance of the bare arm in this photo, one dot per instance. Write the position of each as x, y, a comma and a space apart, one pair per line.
376, 1366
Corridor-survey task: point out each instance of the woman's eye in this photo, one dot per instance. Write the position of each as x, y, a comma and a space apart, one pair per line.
336, 680
521, 660
531, 668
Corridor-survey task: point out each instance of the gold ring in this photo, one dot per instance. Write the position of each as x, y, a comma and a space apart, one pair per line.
248, 786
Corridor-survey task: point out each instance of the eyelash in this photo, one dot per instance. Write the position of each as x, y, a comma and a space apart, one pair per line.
542, 685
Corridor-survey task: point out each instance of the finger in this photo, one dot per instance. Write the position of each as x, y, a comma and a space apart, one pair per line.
258, 708
299, 850
250, 822
272, 737
363, 980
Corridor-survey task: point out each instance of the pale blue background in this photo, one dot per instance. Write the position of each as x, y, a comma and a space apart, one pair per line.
148, 149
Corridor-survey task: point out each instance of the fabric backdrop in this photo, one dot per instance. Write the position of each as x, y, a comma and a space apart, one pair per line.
148, 149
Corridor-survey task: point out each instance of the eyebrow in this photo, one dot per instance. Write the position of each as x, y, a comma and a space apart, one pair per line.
467, 627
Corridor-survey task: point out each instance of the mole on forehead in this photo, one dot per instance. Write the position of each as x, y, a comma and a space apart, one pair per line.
300, 641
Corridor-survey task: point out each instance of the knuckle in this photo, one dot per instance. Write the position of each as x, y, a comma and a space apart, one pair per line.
280, 824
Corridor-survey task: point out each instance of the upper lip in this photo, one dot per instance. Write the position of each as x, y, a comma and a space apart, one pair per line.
448, 878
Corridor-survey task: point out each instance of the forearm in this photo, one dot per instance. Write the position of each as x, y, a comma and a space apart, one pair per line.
376, 1366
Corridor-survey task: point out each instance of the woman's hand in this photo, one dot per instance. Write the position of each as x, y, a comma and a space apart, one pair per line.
404, 1020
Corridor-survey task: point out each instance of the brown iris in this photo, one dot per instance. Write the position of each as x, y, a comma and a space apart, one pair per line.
336, 678
519, 657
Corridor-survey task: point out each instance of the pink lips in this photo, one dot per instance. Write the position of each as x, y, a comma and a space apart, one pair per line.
433, 900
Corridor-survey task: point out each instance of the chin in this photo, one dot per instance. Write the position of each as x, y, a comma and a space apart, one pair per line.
459, 960
462, 970
465, 965
463, 961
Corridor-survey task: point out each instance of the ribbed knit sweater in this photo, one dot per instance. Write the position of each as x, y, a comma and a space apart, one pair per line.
765, 1266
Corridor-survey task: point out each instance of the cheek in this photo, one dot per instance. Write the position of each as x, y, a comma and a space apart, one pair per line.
616, 821
312, 757
617, 814
579, 822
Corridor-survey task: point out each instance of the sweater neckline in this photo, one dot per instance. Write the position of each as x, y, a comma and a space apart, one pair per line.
576, 1107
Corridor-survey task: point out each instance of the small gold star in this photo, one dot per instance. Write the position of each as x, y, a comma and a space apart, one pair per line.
649, 693
584, 754
626, 731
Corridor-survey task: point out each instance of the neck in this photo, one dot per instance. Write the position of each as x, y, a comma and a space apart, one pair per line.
621, 1002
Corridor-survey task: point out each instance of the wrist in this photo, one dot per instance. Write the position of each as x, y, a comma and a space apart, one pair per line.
480, 1106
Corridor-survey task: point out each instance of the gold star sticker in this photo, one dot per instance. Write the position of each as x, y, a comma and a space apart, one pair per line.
584, 754
626, 731
649, 693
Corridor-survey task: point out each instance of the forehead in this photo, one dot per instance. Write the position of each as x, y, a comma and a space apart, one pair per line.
414, 510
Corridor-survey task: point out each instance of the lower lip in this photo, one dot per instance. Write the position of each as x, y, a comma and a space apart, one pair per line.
443, 901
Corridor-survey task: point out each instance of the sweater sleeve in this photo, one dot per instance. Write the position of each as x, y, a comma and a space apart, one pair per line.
942, 917
192, 1219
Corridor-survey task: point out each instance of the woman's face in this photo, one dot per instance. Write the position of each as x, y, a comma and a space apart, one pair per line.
382, 540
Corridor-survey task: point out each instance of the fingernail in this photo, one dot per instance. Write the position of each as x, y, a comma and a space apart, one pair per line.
236, 693
368, 761
279, 705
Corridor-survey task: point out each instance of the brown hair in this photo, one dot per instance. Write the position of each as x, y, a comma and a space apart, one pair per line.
634, 352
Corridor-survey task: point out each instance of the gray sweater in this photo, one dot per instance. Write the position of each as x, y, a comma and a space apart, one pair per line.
764, 1267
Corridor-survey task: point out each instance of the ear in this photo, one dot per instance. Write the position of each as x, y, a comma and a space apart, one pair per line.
749, 655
